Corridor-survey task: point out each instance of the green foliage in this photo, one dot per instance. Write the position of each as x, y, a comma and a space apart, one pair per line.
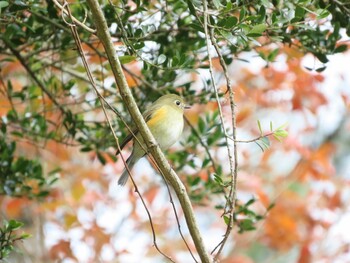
209, 130
21, 176
8, 237
279, 134
245, 217
169, 41
168, 38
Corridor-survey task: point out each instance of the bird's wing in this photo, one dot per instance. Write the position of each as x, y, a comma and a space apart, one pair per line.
147, 116
149, 113
126, 140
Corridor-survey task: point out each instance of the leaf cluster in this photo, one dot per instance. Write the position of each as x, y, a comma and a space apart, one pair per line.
8, 237
21, 177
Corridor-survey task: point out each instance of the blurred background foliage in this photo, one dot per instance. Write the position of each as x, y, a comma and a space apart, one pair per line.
58, 166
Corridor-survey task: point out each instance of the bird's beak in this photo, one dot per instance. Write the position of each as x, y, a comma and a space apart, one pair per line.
186, 107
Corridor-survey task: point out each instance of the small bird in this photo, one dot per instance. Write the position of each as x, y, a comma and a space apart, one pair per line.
165, 120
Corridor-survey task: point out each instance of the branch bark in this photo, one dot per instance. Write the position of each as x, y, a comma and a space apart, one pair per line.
169, 174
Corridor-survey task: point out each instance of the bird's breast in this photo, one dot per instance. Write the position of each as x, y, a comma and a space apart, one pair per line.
166, 126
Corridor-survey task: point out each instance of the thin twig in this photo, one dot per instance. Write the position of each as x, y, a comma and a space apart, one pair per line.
231, 202
177, 220
255, 139
231, 199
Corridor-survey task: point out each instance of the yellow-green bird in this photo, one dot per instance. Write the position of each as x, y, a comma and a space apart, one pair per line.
165, 121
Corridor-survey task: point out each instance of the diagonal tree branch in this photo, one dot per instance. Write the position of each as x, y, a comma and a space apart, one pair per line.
169, 173
101, 98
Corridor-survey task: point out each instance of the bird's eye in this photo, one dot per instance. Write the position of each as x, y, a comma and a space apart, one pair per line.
177, 102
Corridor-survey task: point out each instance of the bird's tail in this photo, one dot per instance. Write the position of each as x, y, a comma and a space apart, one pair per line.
125, 175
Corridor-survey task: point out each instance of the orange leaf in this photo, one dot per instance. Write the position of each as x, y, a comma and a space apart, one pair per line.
61, 250
243, 114
14, 207
151, 194
282, 222
305, 254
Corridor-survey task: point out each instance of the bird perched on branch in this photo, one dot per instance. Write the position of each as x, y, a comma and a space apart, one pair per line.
165, 120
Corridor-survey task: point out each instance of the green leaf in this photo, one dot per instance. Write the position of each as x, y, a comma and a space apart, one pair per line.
54, 180
161, 59
262, 14
217, 3
195, 181
230, 22
280, 133
246, 225
273, 54
257, 30
259, 126
43, 194
17, 133
299, 12
251, 201
226, 220
218, 179
14, 225
3, 4
322, 13
3, 128
341, 49
101, 158
242, 14
321, 69
126, 59
272, 205
196, 26
228, 36
55, 171
265, 141
228, 6
86, 149
138, 45
262, 55
25, 236
175, 61
205, 162
274, 18
20, 3
191, 7
322, 57
201, 125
